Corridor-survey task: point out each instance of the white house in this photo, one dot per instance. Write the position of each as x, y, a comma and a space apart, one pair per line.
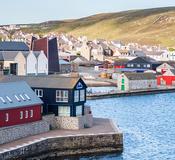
136, 81
31, 63
42, 63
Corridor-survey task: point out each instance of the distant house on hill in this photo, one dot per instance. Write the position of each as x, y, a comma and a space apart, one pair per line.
136, 81
50, 49
13, 46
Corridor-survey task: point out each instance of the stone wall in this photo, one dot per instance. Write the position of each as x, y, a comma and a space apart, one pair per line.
74, 123
64, 146
8, 134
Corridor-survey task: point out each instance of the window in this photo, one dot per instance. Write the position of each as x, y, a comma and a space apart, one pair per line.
9, 99
82, 95
138, 65
132, 65
123, 80
76, 95
144, 65
64, 111
2, 99
39, 92
17, 98
21, 114
6, 117
79, 110
148, 65
27, 96
31, 113
22, 97
128, 65
26, 114
61, 96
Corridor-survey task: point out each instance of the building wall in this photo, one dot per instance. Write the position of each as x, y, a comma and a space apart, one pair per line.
9, 134
85, 51
14, 115
42, 64
21, 64
142, 84
166, 80
31, 64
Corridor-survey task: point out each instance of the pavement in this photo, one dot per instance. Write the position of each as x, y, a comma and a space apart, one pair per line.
101, 126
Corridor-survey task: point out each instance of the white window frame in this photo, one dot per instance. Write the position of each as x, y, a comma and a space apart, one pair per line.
62, 95
65, 111
6, 117
21, 114
82, 95
148, 65
39, 92
26, 114
31, 113
76, 95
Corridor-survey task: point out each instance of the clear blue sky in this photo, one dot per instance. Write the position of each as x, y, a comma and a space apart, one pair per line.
32, 11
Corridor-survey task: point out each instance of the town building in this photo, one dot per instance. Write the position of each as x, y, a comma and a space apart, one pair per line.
144, 63
167, 79
164, 67
63, 96
50, 49
136, 81
13, 46
18, 104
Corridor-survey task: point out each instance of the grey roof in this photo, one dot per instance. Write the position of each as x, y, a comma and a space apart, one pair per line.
8, 55
13, 46
17, 94
52, 81
140, 76
61, 61
172, 71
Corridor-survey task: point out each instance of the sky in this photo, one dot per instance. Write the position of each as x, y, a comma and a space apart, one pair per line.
36, 11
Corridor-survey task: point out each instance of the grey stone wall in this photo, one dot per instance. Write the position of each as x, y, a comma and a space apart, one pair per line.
8, 134
64, 146
74, 123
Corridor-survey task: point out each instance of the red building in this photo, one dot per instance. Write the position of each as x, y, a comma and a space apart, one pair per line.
18, 104
168, 78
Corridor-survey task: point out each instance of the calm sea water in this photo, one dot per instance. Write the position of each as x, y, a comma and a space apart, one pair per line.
148, 124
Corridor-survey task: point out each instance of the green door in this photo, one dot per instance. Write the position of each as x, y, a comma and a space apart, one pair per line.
123, 87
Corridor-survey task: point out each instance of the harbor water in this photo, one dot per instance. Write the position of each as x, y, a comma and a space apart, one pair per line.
148, 124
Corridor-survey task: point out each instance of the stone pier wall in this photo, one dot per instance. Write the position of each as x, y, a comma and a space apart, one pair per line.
9, 134
66, 146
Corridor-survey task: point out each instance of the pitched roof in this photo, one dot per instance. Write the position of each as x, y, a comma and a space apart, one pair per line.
143, 60
52, 81
13, 46
8, 55
17, 94
140, 76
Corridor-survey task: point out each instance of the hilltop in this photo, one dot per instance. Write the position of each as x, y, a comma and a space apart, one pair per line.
146, 26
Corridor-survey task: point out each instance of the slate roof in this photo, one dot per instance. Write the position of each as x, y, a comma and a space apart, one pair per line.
8, 55
13, 46
140, 76
143, 60
52, 81
17, 94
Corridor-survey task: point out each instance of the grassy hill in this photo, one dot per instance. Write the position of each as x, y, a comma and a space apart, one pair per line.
147, 26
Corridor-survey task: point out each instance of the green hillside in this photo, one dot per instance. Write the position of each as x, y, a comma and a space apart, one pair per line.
148, 26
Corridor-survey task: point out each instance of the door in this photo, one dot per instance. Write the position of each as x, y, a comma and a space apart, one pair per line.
123, 87
13, 68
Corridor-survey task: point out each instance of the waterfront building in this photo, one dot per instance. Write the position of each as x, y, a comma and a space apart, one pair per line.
164, 67
63, 96
168, 78
143, 63
136, 81
18, 104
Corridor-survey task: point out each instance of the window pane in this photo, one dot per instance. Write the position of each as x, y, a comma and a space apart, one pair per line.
64, 111
76, 95
61, 96
79, 110
82, 95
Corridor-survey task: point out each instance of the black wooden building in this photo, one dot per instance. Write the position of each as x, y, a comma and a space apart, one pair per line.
143, 63
63, 96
